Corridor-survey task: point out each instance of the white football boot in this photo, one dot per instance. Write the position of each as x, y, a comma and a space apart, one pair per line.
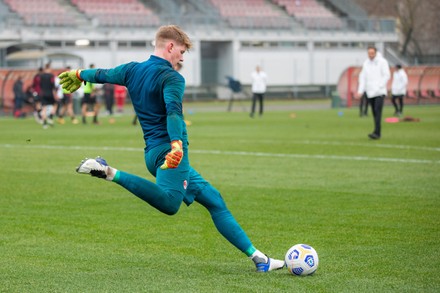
270, 265
95, 167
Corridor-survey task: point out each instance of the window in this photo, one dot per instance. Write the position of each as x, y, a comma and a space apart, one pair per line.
138, 44
103, 44
54, 44
123, 44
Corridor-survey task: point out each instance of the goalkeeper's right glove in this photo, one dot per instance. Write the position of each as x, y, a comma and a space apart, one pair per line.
71, 80
173, 158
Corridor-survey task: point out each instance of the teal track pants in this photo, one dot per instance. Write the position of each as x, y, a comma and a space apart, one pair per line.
183, 184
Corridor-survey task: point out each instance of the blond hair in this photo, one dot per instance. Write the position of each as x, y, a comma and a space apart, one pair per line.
172, 32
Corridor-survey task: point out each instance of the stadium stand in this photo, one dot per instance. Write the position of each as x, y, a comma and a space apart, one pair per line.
251, 13
98, 12
198, 13
41, 12
242, 14
311, 14
348, 8
423, 85
196, 7
6, 13
117, 12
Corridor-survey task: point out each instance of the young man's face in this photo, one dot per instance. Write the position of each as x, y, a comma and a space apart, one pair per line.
176, 54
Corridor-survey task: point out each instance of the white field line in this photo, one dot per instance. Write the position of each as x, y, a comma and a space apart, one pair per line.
368, 145
387, 146
232, 153
328, 157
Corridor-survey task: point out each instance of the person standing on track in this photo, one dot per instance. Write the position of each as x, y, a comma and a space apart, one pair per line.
398, 89
373, 82
259, 80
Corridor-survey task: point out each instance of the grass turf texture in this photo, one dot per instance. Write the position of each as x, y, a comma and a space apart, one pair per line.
371, 209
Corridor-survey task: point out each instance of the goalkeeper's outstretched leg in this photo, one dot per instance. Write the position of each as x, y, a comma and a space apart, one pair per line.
226, 224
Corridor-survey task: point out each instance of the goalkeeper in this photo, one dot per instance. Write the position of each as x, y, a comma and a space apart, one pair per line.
156, 90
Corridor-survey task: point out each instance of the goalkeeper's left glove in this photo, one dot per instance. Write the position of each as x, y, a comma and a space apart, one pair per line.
173, 158
71, 80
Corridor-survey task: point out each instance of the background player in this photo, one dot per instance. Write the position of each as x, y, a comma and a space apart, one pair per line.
48, 94
65, 104
398, 89
89, 101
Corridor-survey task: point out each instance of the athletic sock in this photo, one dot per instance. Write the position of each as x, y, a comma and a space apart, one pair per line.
250, 251
258, 257
116, 176
111, 173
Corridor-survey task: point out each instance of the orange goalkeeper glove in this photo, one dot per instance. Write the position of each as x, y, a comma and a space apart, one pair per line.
173, 158
71, 80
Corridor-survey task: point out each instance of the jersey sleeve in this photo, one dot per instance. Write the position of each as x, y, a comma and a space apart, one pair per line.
116, 75
173, 95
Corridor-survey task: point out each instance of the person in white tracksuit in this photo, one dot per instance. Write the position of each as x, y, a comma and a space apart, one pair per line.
373, 82
259, 79
398, 89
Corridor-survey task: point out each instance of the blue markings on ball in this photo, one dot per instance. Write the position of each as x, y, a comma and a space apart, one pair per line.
297, 271
306, 246
309, 260
293, 254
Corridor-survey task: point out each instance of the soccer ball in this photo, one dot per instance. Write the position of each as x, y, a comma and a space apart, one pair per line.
301, 260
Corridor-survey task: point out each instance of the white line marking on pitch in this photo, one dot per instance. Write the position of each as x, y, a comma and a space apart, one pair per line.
369, 145
233, 153
388, 146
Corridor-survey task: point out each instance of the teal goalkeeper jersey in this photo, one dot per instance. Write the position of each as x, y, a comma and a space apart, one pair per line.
156, 91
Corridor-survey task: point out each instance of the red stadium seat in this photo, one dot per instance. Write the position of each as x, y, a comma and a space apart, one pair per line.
430, 83
117, 12
250, 13
311, 14
41, 12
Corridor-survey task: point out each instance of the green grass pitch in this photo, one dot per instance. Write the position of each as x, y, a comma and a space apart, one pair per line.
371, 209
